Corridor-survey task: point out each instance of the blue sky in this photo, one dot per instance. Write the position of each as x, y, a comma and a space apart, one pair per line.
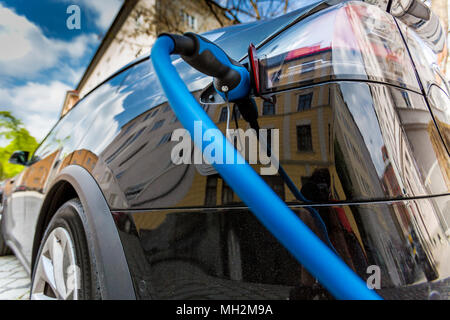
40, 58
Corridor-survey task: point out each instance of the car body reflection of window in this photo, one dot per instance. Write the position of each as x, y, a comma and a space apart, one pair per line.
223, 114
235, 114
165, 138
127, 142
154, 113
158, 124
268, 108
304, 138
304, 102
131, 156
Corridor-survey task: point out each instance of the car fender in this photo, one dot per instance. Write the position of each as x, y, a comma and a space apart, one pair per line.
106, 248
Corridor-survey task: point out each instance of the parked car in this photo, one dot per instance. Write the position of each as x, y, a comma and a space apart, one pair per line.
101, 210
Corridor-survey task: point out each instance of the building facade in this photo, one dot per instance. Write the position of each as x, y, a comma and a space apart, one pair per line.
134, 31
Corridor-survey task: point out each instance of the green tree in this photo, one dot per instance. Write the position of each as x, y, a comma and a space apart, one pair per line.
19, 138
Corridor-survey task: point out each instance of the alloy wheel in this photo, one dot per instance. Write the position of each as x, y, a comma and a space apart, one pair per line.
56, 277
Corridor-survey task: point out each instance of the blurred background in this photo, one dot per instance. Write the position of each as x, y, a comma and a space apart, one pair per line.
47, 64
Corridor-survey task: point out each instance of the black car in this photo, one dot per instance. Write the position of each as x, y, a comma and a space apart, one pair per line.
102, 211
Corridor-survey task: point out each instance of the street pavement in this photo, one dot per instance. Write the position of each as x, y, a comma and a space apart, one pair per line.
14, 281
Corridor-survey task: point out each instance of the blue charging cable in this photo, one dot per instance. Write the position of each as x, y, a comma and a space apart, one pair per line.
273, 213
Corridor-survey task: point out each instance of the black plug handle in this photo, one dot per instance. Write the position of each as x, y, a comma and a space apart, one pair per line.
230, 76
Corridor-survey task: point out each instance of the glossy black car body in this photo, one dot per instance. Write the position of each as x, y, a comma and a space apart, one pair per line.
366, 141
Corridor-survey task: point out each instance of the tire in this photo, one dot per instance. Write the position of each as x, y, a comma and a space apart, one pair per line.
64, 250
4, 250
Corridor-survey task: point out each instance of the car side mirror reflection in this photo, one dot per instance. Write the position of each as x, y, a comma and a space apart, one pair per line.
19, 157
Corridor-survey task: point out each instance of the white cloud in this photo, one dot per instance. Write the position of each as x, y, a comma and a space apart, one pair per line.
37, 105
42, 64
26, 53
26, 50
106, 11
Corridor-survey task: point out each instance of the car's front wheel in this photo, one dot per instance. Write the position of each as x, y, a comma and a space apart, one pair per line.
63, 268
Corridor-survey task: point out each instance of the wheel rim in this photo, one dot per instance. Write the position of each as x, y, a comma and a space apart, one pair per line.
57, 277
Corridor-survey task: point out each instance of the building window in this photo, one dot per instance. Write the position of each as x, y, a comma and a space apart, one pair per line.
268, 108
157, 125
165, 138
223, 114
277, 185
137, 135
147, 116
190, 20
174, 119
406, 98
227, 193
304, 139
304, 180
128, 129
211, 191
236, 112
120, 174
154, 113
304, 102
